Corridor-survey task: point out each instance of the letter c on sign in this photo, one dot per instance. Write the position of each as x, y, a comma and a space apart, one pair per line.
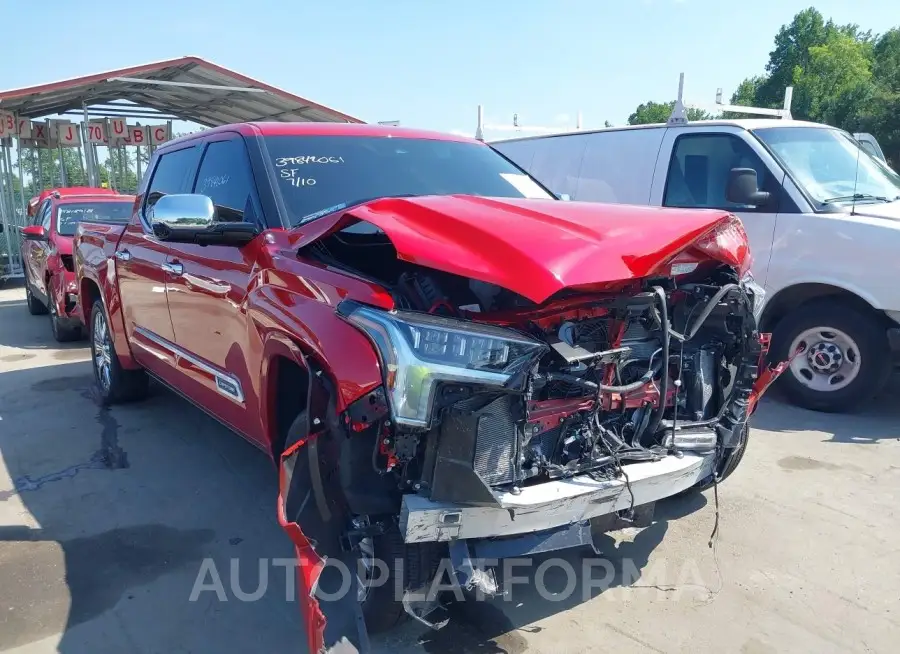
159, 134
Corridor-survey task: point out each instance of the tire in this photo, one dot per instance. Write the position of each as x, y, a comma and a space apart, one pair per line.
35, 306
730, 464
382, 609
61, 332
831, 332
115, 384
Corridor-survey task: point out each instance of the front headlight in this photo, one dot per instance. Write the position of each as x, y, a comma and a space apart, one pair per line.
418, 351
757, 293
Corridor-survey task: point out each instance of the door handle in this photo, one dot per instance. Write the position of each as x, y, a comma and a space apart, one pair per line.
173, 268
123, 255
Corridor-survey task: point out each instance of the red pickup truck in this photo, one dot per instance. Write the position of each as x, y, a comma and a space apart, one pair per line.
46, 249
449, 363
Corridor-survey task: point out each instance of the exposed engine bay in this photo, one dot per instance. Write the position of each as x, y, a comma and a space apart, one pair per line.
582, 384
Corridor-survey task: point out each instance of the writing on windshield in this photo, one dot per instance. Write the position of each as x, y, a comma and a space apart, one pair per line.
318, 173
68, 216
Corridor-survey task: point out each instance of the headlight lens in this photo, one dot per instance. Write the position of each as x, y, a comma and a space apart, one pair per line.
420, 350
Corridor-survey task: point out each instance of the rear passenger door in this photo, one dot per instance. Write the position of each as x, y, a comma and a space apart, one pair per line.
140, 267
693, 169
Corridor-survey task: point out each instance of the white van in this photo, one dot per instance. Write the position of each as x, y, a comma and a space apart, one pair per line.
822, 215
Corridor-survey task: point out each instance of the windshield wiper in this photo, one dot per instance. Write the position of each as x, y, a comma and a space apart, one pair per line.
858, 196
346, 205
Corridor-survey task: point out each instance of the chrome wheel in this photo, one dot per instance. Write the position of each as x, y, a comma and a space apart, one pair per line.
827, 359
101, 348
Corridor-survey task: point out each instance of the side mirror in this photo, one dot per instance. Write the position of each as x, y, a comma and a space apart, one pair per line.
34, 233
192, 218
563, 196
743, 188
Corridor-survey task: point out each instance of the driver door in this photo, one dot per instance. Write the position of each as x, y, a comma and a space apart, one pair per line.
695, 175
35, 253
208, 287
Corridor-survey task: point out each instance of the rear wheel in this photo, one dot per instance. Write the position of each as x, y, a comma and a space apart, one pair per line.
842, 356
115, 383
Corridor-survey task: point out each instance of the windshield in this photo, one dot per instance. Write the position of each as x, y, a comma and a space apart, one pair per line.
824, 163
69, 215
321, 174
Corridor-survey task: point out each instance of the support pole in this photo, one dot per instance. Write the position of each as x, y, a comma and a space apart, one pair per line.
6, 217
62, 166
89, 160
40, 168
479, 130
22, 181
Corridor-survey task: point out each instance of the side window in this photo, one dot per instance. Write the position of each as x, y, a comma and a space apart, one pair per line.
38, 217
45, 215
699, 169
225, 177
868, 147
173, 173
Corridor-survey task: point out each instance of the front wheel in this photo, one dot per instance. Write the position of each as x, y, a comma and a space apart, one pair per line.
62, 332
35, 306
841, 356
728, 464
415, 564
115, 383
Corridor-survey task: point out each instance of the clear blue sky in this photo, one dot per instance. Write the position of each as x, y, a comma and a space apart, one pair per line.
429, 63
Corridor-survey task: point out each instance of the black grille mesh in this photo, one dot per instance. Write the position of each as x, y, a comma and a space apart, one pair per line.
496, 444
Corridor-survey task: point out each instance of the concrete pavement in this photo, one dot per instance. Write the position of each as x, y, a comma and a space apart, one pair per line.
107, 518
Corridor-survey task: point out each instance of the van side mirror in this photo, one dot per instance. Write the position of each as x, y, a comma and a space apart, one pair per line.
743, 188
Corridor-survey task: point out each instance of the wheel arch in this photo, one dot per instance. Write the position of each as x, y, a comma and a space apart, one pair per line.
797, 295
88, 294
285, 378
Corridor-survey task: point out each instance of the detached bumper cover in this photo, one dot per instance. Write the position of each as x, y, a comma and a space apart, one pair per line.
551, 504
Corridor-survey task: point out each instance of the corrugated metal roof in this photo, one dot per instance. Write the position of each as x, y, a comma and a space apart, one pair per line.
189, 87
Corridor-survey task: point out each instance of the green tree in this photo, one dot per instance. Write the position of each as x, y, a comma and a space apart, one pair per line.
841, 75
837, 75
886, 60
658, 112
746, 94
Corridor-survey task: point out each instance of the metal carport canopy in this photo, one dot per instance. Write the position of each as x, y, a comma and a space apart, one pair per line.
190, 88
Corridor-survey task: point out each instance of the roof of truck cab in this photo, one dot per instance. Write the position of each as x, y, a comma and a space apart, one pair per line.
744, 123
325, 129
93, 197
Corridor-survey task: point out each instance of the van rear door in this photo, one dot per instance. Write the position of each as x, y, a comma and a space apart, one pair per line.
693, 170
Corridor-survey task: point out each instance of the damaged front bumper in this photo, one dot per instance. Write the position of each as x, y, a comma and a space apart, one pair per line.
554, 503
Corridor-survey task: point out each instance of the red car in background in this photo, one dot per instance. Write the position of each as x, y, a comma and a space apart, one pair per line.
47, 250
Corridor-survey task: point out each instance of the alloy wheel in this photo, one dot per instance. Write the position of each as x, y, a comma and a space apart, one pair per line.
101, 349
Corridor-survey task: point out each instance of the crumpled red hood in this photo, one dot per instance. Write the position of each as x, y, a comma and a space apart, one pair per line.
532, 247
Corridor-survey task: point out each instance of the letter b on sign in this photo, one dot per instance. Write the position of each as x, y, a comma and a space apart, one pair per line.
137, 135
